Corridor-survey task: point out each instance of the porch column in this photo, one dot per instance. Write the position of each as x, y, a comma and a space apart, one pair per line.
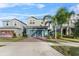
70, 31
35, 31
43, 32
67, 32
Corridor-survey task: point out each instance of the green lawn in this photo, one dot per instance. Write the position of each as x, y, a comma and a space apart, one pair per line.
11, 39
71, 39
67, 51
56, 40
2, 45
52, 41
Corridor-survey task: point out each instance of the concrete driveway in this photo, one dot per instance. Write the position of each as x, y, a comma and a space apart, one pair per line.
37, 48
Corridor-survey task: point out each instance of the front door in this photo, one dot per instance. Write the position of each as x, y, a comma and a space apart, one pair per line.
36, 33
39, 33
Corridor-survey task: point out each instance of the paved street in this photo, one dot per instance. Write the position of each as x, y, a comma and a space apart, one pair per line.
27, 48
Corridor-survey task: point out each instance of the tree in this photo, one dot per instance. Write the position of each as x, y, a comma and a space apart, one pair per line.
24, 32
54, 21
62, 15
46, 20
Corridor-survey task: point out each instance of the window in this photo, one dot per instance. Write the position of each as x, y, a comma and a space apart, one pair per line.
7, 24
30, 22
15, 24
33, 22
41, 22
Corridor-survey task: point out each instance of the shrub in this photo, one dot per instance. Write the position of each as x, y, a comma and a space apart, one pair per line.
49, 37
58, 35
68, 36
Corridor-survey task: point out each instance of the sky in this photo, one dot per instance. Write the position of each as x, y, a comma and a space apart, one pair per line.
22, 11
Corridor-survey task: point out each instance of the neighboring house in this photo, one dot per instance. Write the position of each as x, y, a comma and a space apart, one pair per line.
12, 27
70, 24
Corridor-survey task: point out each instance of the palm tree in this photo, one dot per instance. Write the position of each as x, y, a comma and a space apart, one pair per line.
62, 15
54, 21
47, 22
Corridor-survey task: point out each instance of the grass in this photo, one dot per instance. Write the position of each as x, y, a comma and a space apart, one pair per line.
67, 51
2, 45
71, 39
56, 40
11, 39
51, 41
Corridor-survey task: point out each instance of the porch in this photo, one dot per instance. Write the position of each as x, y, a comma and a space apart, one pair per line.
35, 31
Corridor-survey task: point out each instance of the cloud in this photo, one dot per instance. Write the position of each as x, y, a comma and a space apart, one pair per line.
18, 15
31, 5
75, 8
40, 6
7, 17
10, 16
4, 5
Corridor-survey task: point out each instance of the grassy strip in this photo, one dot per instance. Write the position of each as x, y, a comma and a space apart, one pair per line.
11, 39
56, 40
52, 41
71, 39
62, 49
2, 45
67, 51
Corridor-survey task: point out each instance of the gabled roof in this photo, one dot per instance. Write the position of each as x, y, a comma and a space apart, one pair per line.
32, 17
17, 20
35, 18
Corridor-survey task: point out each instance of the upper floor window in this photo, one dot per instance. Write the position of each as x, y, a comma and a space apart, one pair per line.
32, 22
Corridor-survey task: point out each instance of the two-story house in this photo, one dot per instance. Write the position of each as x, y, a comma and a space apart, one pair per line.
36, 27
12, 27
